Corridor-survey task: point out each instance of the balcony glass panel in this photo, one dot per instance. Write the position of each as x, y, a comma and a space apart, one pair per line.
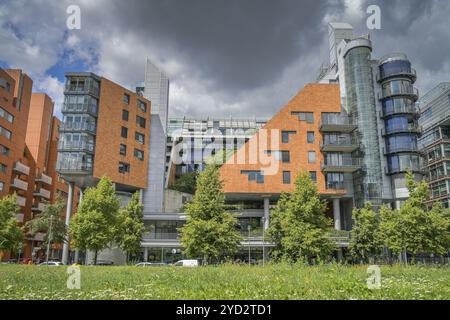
80, 103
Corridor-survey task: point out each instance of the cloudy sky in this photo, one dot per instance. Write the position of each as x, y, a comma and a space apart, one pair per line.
224, 57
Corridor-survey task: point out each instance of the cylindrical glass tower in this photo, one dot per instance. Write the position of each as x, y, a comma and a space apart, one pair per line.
362, 109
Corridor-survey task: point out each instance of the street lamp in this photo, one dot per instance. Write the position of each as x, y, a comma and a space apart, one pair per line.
249, 228
263, 240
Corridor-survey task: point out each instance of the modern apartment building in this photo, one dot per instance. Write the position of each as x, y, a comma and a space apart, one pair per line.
435, 141
156, 90
192, 141
380, 98
105, 132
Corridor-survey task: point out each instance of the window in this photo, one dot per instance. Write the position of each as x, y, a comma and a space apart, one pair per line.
4, 150
285, 136
311, 137
3, 168
311, 157
2, 186
126, 98
286, 177
139, 154
124, 133
123, 150
5, 132
313, 175
140, 138
140, 122
6, 115
5, 85
142, 106
285, 156
257, 176
125, 115
304, 116
124, 167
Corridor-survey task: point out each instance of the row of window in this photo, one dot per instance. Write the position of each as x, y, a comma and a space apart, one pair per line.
285, 136
137, 135
304, 116
258, 176
137, 153
285, 156
140, 104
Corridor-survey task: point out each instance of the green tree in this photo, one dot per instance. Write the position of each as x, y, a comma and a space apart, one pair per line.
50, 215
186, 183
364, 242
130, 226
93, 227
11, 235
210, 231
299, 225
413, 229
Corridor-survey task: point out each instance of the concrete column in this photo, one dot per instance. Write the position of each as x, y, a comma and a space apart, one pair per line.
337, 214
145, 254
266, 213
141, 195
65, 254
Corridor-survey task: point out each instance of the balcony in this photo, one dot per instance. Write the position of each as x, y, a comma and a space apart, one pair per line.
338, 123
85, 86
401, 129
39, 207
342, 145
80, 108
404, 91
160, 236
344, 166
76, 146
42, 193
19, 184
21, 201
74, 167
43, 178
78, 127
20, 217
401, 148
337, 187
406, 110
19, 167
399, 72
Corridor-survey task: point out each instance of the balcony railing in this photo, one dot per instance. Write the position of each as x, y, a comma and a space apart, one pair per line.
78, 126
402, 129
19, 184
409, 72
341, 145
343, 165
76, 146
79, 108
21, 201
20, 217
411, 109
74, 166
21, 168
404, 91
43, 178
402, 148
336, 123
87, 88
39, 207
160, 236
42, 193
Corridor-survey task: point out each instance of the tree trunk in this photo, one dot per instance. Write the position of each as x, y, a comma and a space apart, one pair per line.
95, 257
1, 255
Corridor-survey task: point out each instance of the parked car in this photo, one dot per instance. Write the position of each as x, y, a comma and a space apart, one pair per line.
150, 264
104, 263
52, 264
187, 263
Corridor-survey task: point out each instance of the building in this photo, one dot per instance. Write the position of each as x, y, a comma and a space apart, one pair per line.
156, 90
105, 132
310, 130
380, 98
435, 141
192, 141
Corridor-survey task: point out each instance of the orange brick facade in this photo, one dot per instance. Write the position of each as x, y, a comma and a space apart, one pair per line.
109, 136
314, 98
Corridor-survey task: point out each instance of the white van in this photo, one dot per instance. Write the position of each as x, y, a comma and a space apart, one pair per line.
187, 263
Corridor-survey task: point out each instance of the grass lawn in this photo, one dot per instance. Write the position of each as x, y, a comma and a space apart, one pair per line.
224, 282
